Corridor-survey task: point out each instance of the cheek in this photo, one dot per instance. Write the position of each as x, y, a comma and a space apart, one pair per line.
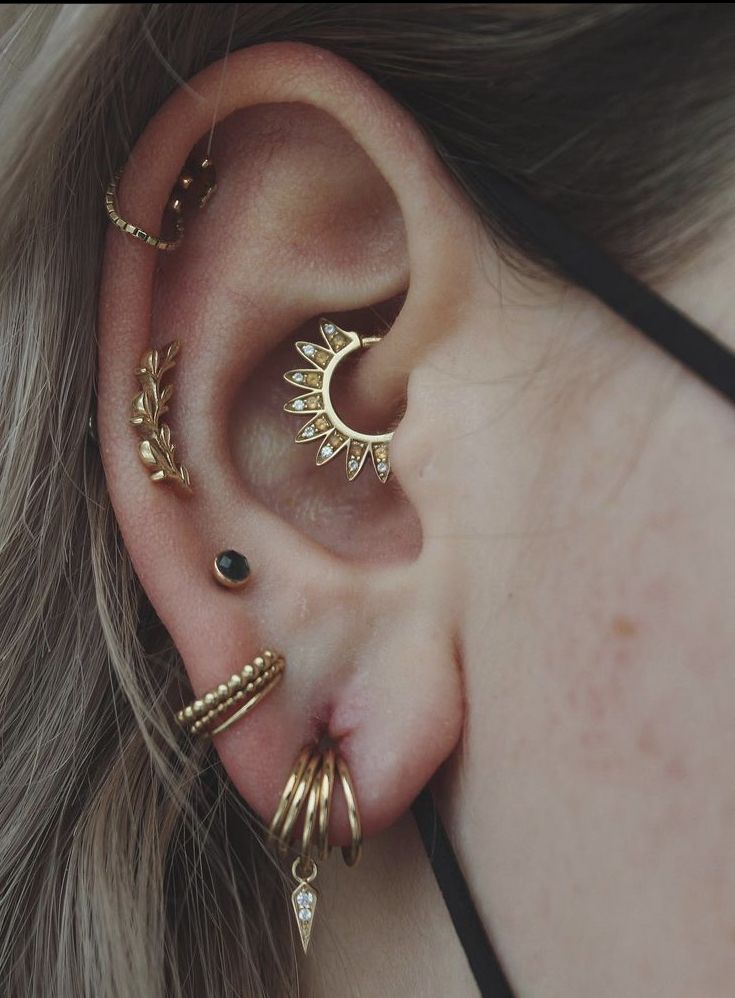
643, 689
638, 673
606, 737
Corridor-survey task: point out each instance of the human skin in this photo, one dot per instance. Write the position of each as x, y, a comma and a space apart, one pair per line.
539, 611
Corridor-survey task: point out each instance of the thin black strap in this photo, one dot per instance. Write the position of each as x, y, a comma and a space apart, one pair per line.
588, 266
480, 955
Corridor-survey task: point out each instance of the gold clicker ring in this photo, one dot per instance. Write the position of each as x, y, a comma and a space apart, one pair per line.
325, 425
351, 853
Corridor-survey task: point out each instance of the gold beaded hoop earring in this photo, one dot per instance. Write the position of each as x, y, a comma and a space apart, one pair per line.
219, 708
325, 423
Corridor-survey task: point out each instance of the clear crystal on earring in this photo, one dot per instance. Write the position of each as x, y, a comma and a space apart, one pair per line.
299, 404
304, 900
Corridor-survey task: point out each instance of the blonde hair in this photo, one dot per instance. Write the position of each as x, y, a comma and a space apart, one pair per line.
128, 865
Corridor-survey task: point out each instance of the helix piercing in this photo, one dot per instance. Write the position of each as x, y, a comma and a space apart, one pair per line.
200, 177
231, 569
156, 450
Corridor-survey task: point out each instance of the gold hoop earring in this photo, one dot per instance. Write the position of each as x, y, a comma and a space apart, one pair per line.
244, 690
156, 450
325, 423
199, 176
350, 854
309, 789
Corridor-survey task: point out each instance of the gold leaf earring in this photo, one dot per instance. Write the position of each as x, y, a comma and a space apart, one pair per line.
156, 450
325, 425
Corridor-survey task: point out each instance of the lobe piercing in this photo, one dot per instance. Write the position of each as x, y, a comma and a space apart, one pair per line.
231, 569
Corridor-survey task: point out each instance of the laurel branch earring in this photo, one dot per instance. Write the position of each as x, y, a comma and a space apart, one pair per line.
324, 423
156, 450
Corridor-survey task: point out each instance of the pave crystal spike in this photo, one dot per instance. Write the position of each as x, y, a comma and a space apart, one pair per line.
304, 899
381, 461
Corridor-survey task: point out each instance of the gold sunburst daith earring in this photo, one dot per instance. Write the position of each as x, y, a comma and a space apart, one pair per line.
324, 423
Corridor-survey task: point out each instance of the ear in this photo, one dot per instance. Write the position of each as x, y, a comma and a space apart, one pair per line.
330, 202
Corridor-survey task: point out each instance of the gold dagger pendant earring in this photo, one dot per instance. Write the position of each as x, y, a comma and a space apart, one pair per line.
324, 424
308, 794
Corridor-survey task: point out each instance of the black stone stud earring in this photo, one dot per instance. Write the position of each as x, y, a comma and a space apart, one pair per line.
231, 569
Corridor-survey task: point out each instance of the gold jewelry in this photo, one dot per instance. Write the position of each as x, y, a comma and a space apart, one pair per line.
199, 175
156, 450
207, 715
324, 806
351, 853
231, 569
309, 788
324, 423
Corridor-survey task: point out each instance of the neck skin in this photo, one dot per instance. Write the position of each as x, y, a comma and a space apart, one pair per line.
588, 489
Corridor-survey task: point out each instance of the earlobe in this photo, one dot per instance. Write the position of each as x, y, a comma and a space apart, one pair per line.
328, 199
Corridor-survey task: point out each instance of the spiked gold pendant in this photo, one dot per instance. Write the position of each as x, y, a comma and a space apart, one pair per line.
304, 899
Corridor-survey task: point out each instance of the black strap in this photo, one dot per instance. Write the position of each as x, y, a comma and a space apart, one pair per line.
588, 266
480, 955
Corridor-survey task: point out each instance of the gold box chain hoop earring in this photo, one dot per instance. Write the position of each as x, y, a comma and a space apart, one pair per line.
325, 424
197, 176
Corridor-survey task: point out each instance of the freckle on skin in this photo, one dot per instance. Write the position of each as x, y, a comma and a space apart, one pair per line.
675, 769
624, 627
